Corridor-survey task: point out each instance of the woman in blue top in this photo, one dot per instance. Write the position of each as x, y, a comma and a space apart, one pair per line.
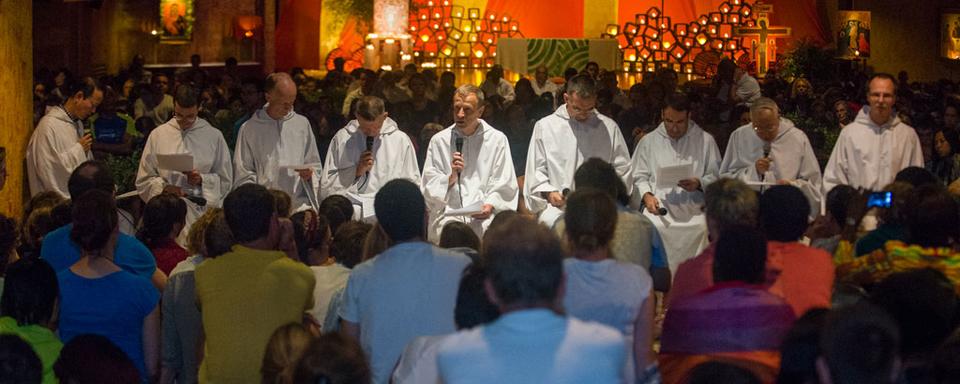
99, 297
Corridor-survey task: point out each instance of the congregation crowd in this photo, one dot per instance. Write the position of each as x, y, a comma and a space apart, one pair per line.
401, 227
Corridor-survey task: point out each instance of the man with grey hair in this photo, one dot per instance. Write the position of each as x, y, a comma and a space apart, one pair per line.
468, 164
541, 82
276, 147
564, 140
771, 150
366, 154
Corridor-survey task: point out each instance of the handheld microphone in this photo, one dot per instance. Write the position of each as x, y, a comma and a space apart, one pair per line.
459, 144
369, 143
565, 192
661, 211
766, 154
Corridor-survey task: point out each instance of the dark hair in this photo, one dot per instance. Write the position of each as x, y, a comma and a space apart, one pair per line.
582, 85
923, 303
952, 137
784, 212
8, 240
800, 348
19, 364
591, 219
86, 86
720, 372
946, 360
249, 209
457, 234
473, 307
90, 174
935, 218
837, 200
186, 96
309, 232
94, 220
333, 359
217, 238
162, 213
400, 210
741, 255
337, 209
598, 174
347, 245
678, 102
885, 76
524, 262
860, 344
916, 176
369, 108
501, 218
94, 359
282, 201
30, 290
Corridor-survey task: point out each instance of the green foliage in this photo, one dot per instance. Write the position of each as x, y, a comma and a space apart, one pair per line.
822, 134
124, 170
809, 60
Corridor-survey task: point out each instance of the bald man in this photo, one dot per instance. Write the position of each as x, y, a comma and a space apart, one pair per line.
276, 147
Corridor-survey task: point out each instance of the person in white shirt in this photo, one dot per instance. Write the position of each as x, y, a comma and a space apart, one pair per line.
366, 154
531, 342
772, 150
563, 141
745, 89
276, 137
467, 163
876, 145
59, 144
495, 84
542, 82
676, 209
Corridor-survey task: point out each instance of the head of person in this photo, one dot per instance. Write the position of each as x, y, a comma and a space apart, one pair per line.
541, 74
82, 95
951, 116
335, 359
163, 218
89, 175
347, 245
195, 60
946, 143
217, 238
524, 264
18, 362
765, 116
882, 97
312, 235
417, 85
859, 344
94, 221
726, 70
800, 88
401, 210
370, 115
456, 234
251, 93
934, 219
916, 176
900, 205
676, 115
798, 352
251, 214
593, 69
500, 219
720, 372
30, 291
198, 229
160, 84
90, 358
580, 97
284, 349
447, 79
741, 255
282, 201
473, 307
729, 202
337, 209
186, 106
836, 204
524, 93
467, 107
841, 111
281, 94
591, 219
600, 175
368, 81
924, 305
784, 213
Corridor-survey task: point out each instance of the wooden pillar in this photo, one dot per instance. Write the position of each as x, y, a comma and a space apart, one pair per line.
16, 116
269, 35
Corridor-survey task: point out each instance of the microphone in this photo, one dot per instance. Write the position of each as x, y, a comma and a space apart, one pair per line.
369, 143
459, 144
766, 154
565, 192
661, 211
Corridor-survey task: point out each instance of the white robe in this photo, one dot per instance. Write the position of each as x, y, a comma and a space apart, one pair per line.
488, 176
558, 146
792, 155
393, 158
54, 151
264, 145
684, 228
869, 156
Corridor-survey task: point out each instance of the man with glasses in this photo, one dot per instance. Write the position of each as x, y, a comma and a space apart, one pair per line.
564, 140
680, 151
769, 151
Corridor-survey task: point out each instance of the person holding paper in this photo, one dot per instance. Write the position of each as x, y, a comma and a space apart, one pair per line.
274, 142
366, 154
468, 164
677, 145
772, 151
563, 141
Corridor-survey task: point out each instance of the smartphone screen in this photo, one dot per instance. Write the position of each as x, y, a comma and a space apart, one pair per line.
880, 199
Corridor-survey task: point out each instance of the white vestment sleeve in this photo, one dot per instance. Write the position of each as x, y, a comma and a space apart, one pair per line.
244, 165
643, 174
53, 168
149, 182
836, 173
537, 178
736, 164
339, 173
621, 160
436, 171
218, 182
711, 160
501, 189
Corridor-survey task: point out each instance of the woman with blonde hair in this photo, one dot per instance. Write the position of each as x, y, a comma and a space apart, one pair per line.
283, 352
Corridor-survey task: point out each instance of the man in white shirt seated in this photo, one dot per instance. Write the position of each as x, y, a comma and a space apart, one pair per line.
495, 84
530, 342
541, 82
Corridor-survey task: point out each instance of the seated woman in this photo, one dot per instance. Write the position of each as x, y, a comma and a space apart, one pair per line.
99, 297
946, 162
163, 219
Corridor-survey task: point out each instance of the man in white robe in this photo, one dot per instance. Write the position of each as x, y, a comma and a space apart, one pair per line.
59, 143
771, 150
356, 171
563, 141
212, 175
276, 147
676, 141
479, 172
876, 145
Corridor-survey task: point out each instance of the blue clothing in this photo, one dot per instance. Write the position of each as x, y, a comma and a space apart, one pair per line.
112, 306
110, 130
129, 254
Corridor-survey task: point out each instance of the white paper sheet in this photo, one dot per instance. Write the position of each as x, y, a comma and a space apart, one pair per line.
761, 183
668, 177
465, 211
302, 166
128, 194
365, 204
180, 162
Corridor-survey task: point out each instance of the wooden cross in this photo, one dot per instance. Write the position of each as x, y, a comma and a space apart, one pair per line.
764, 32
